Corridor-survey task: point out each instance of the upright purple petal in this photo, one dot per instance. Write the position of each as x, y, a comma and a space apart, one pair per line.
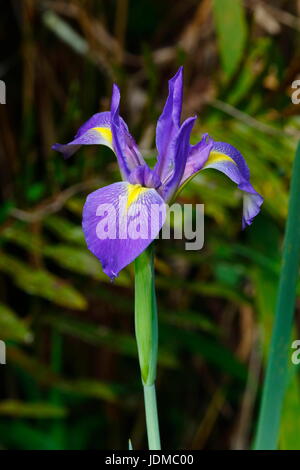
227, 159
168, 125
198, 155
127, 152
181, 146
120, 221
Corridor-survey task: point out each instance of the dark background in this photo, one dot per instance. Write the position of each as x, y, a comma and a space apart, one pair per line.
72, 380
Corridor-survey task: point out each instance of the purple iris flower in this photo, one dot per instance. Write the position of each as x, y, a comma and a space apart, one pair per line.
143, 187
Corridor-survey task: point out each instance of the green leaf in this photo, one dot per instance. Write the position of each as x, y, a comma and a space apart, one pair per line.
100, 335
42, 283
77, 260
81, 261
73, 258
12, 327
65, 230
92, 388
266, 283
18, 409
251, 71
275, 382
231, 29
65, 32
289, 438
21, 236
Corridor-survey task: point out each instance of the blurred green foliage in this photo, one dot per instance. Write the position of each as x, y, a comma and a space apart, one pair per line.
72, 379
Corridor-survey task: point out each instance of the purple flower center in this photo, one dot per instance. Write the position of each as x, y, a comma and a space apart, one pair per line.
144, 176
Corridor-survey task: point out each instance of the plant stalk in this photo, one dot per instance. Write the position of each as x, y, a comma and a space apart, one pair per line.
146, 331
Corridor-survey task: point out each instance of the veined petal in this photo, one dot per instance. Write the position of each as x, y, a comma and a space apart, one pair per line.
226, 158
109, 129
120, 221
97, 130
168, 125
182, 145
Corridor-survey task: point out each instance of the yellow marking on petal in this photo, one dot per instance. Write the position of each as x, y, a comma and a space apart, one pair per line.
216, 157
105, 133
134, 192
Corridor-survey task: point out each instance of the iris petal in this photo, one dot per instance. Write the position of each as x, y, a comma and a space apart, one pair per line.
109, 129
120, 221
97, 130
127, 152
168, 126
198, 155
181, 152
227, 159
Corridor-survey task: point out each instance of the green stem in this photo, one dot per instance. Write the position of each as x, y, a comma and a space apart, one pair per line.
277, 368
151, 417
146, 331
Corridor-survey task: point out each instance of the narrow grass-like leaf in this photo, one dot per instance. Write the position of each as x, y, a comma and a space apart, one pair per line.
231, 31
15, 408
42, 283
276, 374
12, 327
64, 31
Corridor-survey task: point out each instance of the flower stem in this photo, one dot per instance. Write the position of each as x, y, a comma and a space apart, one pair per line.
151, 417
277, 368
146, 331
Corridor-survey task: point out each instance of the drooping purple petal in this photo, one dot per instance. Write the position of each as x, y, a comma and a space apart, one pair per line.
97, 120
109, 129
168, 125
120, 221
182, 146
97, 130
226, 158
